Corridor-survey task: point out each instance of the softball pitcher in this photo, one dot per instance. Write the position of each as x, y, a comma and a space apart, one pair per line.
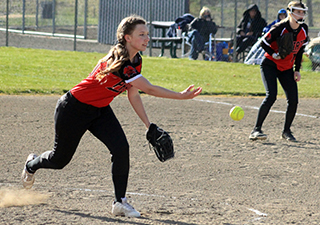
87, 107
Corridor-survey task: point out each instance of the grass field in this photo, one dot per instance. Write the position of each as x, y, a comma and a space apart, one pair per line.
38, 71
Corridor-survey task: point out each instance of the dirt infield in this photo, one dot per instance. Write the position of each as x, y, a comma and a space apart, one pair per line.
217, 177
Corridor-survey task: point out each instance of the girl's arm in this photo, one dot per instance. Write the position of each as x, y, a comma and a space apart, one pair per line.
268, 38
266, 47
298, 59
144, 85
137, 105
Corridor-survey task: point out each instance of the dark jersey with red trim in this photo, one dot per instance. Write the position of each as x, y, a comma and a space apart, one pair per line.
300, 40
100, 93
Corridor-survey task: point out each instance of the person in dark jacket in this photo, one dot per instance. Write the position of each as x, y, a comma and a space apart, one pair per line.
201, 28
250, 28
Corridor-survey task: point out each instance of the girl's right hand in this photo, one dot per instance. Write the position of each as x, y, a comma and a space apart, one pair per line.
190, 92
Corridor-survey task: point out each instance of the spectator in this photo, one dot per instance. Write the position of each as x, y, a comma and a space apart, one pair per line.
250, 28
282, 14
200, 29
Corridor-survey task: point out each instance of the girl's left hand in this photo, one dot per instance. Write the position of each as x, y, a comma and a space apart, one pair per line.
297, 76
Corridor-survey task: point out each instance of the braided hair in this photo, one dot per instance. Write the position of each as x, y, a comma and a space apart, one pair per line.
119, 53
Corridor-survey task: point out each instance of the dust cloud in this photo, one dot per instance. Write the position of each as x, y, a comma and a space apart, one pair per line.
20, 197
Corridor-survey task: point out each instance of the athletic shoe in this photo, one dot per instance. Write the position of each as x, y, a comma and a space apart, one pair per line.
257, 134
287, 135
27, 178
124, 209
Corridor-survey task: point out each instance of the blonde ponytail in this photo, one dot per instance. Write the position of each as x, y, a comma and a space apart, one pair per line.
115, 58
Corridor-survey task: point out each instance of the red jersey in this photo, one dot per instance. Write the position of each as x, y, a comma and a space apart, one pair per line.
300, 39
100, 93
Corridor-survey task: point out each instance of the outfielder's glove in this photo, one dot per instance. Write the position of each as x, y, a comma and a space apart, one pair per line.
285, 44
161, 142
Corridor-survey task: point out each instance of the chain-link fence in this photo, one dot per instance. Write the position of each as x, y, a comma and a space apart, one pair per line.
54, 17
57, 17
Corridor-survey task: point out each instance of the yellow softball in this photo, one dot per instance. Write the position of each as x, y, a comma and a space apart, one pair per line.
236, 113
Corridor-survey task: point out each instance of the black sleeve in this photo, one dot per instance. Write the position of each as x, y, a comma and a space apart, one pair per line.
298, 60
268, 49
127, 71
213, 28
270, 37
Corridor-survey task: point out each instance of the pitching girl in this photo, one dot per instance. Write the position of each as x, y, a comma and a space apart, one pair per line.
87, 107
285, 70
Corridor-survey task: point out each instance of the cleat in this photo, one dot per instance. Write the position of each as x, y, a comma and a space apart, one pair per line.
287, 135
27, 178
257, 134
124, 209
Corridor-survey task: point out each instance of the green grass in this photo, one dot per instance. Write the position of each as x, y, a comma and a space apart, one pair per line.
39, 71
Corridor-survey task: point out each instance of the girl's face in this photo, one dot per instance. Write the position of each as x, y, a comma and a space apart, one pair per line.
138, 40
282, 16
298, 14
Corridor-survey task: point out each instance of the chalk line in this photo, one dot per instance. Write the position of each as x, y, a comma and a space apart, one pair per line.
258, 212
252, 107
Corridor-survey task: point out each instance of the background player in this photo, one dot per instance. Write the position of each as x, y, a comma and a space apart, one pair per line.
87, 107
274, 67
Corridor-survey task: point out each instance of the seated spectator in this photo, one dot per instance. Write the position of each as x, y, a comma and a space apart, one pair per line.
200, 29
282, 14
250, 28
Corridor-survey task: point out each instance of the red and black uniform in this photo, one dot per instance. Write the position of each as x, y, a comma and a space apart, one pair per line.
300, 40
281, 69
87, 107
100, 93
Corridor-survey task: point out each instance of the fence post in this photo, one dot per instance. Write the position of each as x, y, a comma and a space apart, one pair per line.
235, 32
222, 30
85, 19
53, 17
75, 25
310, 17
7, 24
150, 30
266, 16
23, 15
37, 13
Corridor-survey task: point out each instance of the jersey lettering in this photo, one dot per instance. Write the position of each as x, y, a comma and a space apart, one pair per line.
119, 87
297, 45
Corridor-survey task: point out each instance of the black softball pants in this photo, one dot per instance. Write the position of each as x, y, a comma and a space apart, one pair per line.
269, 75
72, 120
